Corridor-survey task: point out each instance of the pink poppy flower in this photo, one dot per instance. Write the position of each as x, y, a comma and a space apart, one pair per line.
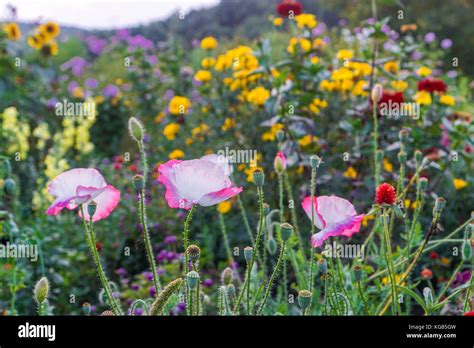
81, 186
221, 160
196, 181
334, 216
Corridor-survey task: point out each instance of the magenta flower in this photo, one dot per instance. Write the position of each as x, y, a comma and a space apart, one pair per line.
80, 186
195, 182
334, 216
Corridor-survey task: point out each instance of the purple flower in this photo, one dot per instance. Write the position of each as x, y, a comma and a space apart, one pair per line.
135, 287
148, 275
110, 91
171, 239
72, 86
122, 34
91, 83
461, 278
139, 41
416, 55
76, 64
208, 282
153, 60
452, 73
446, 43
152, 291
342, 22
430, 37
371, 21
121, 271
95, 44
169, 94
138, 311
51, 103
319, 29
180, 308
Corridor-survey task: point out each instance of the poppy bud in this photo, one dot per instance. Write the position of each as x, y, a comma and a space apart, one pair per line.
248, 253
272, 246
285, 231
136, 129
423, 183
41, 290
279, 163
227, 276
377, 92
418, 156
402, 157
403, 135
440, 203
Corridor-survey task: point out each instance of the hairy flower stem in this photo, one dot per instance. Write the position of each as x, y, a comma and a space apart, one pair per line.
146, 238
245, 218
282, 220
361, 294
186, 239
90, 236
248, 289
375, 145
390, 267
41, 309
255, 248
272, 278
312, 256
225, 238
294, 218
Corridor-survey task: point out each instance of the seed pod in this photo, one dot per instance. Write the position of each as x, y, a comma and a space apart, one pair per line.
323, 266
91, 208
357, 273
315, 161
403, 135
285, 231
304, 298
138, 182
402, 157
86, 308
258, 178
280, 135
248, 253
193, 252
193, 279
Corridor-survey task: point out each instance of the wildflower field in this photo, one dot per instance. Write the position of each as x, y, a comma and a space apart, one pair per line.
314, 169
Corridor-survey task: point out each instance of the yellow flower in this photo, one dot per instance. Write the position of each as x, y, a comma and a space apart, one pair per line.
203, 76
224, 207
209, 43
424, 71
387, 166
160, 117
270, 135
398, 278
359, 88
175, 154
50, 30
350, 173
345, 54
307, 140
318, 104
314, 60
258, 96
179, 105
423, 98
342, 74
229, 123
447, 100
78, 92
208, 62
399, 85
459, 184
306, 20
171, 130
318, 43
304, 44
391, 67
35, 41
367, 218
12, 30
277, 21
249, 172
50, 48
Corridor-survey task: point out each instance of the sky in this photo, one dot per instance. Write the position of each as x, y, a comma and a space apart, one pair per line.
100, 14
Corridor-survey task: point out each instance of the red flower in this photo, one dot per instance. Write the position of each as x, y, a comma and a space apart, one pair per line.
469, 314
385, 194
432, 85
433, 255
426, 273
133, 168
287, 7
391, 97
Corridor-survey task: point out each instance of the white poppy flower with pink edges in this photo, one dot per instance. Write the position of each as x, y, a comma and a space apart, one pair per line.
197, 181
334, 216
221, 160
80, 186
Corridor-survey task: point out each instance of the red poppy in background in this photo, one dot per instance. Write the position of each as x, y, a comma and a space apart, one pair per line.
287, 7
432, 85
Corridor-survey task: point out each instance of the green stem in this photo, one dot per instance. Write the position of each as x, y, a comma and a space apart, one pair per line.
375, 145
90, 236
390, 261
225, 238
149, 249
272, 278
255, 249
294, 218
186, 239
361, 294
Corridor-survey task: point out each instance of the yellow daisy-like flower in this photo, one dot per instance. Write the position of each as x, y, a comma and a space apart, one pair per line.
175, 154
203, 76
387, 166
50, 29
399, 85
315, 60
229, 123
391, 67
423, 98
208, 62
171, 130
306, 20
459, 184
277, 21
224, 207
179, 105
258, 96
12, 30
398, 278
270, 135
424, 71
307, 140
345, 54
209, 43
35, 41
318, 104
447, 100
350, 173
304, 44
